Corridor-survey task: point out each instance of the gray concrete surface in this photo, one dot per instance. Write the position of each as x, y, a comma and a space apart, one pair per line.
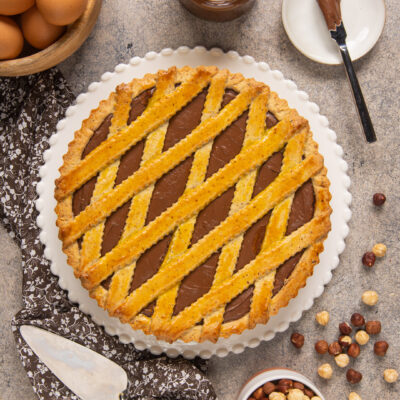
128, 28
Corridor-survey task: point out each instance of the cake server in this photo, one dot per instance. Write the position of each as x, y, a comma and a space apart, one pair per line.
86, 373
333, 17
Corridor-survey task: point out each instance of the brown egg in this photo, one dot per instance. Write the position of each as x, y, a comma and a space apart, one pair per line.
11, 39
14, 7
37, 31
61, 12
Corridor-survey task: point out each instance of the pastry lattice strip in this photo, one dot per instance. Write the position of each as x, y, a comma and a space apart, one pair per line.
181, 217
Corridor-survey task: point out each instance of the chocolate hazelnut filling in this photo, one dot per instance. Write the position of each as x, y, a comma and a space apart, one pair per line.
171, 186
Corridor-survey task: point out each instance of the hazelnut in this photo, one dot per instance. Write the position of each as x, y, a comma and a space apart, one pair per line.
284, 385
379, 250
368, 259
380, 348
298, 385
325, 371
342, 360
297, 340
258, 394
334, 349
353, 376
357, 320
269, 387
362, 337
373, 327
345, 341
390, 375
277, 396
370, 297
345, 328
354, 396
321, 347
353, 350
295, 394
322, 318
379, 199
308, 392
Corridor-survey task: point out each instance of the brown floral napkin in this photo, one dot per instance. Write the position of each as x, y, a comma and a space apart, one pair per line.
30, 108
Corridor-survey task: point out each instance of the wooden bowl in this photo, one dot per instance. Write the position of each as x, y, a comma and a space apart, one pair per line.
72, 39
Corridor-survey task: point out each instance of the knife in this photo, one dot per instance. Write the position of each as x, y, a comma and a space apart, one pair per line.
86, 373
333, 18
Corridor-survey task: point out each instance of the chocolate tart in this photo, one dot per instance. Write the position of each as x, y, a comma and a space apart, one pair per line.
193, 203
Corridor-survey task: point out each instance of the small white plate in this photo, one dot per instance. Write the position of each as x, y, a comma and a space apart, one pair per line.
305, 25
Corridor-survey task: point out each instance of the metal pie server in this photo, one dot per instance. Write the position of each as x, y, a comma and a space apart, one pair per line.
333, 18
86, 373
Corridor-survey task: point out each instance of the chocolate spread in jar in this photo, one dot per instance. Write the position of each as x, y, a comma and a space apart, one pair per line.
218, 10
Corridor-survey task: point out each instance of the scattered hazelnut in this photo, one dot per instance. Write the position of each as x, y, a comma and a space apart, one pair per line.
258, 394
321, 347
390, 375
325, 371
345, 328
379, 199
354, 396
295, 394
370, 297
368, 259
342, 360
269, 387
345, 341
297, 340
322, 318
298, 385
353, 376
379, 250
334, 349
373, 327
277, 396
380, 348
353, 350
284, 385
362, 338
308, 392
357, 320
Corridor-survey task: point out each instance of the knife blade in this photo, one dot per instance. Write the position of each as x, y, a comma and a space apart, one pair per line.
333, 17
86, 373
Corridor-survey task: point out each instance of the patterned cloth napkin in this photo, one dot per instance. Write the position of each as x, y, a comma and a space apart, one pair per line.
29, 110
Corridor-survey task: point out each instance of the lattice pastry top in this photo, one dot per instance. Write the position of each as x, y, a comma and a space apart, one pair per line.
193, 203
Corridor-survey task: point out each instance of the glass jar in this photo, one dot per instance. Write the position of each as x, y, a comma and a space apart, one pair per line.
218, 10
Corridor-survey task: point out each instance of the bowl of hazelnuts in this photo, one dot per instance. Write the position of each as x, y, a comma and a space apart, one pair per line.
279, 384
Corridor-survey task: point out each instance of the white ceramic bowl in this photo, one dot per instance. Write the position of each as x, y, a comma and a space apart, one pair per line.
274, 374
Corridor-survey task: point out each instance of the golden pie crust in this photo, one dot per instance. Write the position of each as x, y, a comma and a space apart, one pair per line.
82, 234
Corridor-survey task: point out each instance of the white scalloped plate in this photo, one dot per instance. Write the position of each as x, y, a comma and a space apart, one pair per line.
152, 62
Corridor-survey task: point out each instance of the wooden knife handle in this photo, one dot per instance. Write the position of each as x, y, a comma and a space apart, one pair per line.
332, 13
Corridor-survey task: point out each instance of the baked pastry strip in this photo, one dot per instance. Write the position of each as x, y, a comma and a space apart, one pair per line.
188, 205
182, 236
120, 282
275, 231
255, 129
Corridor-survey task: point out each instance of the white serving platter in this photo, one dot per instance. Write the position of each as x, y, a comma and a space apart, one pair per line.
152, 62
